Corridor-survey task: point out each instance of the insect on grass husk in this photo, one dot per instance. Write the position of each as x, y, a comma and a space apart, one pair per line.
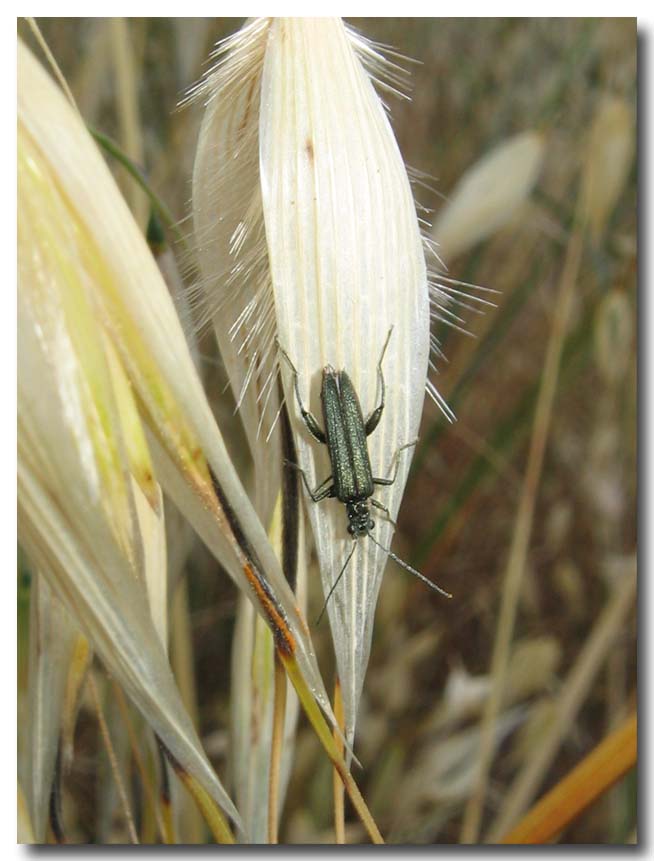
351, 477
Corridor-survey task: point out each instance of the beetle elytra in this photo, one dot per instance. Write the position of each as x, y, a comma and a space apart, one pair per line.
345, 433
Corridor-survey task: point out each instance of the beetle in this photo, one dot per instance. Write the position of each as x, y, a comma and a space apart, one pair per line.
345, 435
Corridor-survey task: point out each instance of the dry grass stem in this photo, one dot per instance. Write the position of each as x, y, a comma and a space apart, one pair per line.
272, 222
573, 694
43, 45
206, 805
322, 731
146, 778
127, 82
113, 762
276, 749
181, 650
596, 773
339, 792
522, 533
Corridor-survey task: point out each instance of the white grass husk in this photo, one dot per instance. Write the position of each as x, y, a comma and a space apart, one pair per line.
489, 194
347, 264
608, 156
296, 140
142, 323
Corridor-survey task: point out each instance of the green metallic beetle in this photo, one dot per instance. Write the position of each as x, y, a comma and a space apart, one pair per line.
345, 435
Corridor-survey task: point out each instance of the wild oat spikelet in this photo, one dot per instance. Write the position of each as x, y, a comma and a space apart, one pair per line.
307, 233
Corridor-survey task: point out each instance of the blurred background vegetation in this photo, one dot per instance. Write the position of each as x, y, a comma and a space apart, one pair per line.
478, 82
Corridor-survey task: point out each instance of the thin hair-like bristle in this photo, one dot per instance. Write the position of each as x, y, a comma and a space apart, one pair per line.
233, 294
440, 402
231, 57
387, 75
425, 180
446, 294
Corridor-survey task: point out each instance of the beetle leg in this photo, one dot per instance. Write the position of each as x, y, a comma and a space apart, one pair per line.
309, 420
384, 509
373, 419
321, 492
395, 464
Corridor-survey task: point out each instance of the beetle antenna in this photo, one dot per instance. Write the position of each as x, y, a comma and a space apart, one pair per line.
337, 581
408, 568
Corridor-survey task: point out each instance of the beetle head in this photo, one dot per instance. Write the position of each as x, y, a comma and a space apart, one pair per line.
360, 521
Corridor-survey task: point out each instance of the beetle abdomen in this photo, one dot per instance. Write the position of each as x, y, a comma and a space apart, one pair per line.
346, 437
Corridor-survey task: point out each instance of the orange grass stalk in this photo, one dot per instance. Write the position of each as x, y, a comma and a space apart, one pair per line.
596, 773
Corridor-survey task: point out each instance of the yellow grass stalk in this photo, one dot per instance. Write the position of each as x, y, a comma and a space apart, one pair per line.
276, 750
570, 699
127, 75
333, 752
339, 795
515, 566
596, 773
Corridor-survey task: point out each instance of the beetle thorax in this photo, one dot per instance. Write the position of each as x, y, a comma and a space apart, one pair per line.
360, 521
